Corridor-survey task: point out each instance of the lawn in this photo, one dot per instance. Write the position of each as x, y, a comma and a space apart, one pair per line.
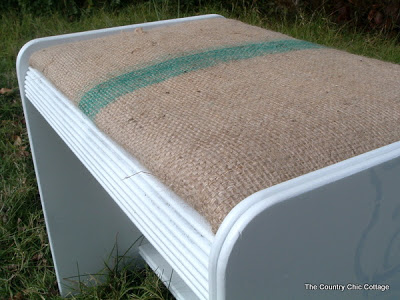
26, 269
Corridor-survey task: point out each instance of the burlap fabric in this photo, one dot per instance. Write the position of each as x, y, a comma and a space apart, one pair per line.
216, 124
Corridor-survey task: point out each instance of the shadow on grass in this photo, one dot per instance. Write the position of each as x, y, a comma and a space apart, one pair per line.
121, 278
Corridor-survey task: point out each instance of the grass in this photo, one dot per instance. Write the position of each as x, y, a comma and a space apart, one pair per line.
26, 269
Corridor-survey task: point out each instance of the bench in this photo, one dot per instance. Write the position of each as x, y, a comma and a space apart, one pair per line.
255, 165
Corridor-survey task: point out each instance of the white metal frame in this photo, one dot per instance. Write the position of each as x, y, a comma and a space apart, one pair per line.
337, 225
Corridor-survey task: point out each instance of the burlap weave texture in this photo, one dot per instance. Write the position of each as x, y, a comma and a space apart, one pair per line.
217, 135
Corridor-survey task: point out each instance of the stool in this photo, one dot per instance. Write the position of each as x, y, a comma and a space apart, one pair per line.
325, 222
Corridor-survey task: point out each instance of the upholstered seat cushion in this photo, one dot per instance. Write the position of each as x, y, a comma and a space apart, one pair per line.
218, 110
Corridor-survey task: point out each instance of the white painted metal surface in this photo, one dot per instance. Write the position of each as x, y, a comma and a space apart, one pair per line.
171, 279
337, 225
83, 222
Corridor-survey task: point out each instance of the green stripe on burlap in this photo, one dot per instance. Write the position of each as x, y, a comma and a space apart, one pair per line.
107, 92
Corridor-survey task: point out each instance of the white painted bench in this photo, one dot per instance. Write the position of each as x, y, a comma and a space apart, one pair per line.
338, 225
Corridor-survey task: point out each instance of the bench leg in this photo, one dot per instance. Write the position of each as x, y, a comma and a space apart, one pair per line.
85, 226
337, 241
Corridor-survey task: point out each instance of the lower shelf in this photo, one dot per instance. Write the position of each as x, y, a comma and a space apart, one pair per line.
165, 272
